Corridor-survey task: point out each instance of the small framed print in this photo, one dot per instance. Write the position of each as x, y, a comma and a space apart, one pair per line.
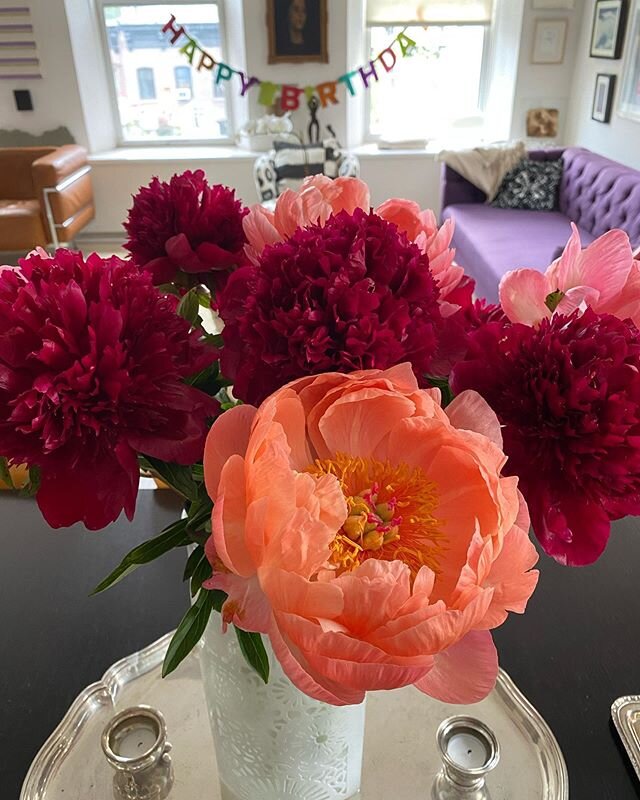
607, 35
549, 41
603, 97
564, 5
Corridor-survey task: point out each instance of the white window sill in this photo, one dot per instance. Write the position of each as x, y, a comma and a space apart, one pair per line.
162, 153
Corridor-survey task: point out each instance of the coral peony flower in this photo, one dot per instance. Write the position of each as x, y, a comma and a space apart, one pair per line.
568, 397
92, 362
188, 226
602, 276
352, 294
320, 197
369, 533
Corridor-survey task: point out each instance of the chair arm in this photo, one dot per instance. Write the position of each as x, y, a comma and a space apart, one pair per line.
63, 185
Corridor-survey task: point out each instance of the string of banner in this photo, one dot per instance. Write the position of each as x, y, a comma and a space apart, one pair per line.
290, 93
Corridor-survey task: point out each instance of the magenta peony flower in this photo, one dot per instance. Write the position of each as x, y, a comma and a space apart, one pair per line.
92, 368
186, 225
568, 396
351, 294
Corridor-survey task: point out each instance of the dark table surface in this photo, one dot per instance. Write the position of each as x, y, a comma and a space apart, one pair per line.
576, 649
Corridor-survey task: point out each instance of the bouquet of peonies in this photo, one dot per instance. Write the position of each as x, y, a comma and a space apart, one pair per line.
361, 494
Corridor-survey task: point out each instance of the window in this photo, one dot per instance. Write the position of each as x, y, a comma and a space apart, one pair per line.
440, 86
159, 96
146, 83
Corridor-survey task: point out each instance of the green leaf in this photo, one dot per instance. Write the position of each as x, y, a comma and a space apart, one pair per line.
214, 339
177, 476
192, 562
207, 380
199, 513
173, 536
202, 572
5, 475
189, 630
254, 652
553, 300
189, 306
169, 288
197, 472
32, 486
204, 298
443, 385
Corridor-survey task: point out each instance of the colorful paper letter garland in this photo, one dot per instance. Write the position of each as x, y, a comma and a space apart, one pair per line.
290, 93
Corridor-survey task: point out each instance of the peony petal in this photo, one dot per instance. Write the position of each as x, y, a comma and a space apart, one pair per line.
469, 411
522, 295
228, 519
229, 435
464, 673
305, 678
246, 605
260, 230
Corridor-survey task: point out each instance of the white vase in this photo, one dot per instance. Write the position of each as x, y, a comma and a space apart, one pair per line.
272, 741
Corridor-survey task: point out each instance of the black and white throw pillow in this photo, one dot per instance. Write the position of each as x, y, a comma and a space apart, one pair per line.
533, 185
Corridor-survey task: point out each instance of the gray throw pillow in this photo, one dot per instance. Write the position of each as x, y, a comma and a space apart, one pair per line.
532, 185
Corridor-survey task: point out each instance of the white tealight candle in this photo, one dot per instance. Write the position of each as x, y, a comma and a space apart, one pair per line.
467, 750
136, 742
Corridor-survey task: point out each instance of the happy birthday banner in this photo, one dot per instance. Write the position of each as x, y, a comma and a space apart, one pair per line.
290, 93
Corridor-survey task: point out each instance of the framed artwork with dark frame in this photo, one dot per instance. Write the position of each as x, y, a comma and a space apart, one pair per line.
603, 97
297, 31
607, 35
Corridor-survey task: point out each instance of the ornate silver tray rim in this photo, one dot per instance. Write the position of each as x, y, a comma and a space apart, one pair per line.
106, 691
620, 712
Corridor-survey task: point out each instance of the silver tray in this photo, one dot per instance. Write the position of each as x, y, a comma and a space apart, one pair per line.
625, 713
400, 756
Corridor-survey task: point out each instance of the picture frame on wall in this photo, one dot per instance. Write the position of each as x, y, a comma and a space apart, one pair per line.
297, 31
549, 41
607, 34
603, 97
629, 96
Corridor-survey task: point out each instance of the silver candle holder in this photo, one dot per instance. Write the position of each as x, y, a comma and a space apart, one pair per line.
469, 750
135, 745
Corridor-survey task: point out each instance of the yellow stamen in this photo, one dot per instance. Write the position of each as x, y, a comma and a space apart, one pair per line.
391, 513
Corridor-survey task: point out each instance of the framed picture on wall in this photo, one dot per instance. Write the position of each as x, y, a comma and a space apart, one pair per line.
297, 30
607, 35
629, 99
603, 97
549, 40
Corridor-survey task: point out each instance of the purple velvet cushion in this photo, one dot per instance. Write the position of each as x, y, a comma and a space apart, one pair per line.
490, 241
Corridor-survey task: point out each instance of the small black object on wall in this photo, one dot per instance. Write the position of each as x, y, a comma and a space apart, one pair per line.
23, 99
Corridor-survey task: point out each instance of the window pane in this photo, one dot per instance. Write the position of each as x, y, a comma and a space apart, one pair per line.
146, 83
424, 94
160, 95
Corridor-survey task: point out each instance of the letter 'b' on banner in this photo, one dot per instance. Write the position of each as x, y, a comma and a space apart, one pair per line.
289, 99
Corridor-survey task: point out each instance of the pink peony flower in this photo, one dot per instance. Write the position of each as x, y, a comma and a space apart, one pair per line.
601, 276
320, 197
92, 368
187, 226
369, 534
567, 394
352, 294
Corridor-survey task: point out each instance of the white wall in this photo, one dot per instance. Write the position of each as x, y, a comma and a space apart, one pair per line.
55, 96
545, 85
620, 139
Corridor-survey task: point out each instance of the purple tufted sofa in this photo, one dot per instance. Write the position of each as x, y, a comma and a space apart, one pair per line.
595, 193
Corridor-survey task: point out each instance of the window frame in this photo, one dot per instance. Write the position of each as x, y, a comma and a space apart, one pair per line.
484, 66
223, 141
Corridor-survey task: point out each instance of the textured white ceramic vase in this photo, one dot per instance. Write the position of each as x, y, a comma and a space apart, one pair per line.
272, 741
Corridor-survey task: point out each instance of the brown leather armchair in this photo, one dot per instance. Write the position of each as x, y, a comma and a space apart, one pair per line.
46, 195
